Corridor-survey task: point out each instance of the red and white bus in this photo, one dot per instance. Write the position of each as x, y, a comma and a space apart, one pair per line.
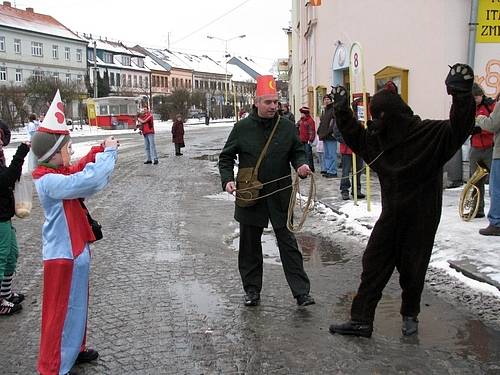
113, 112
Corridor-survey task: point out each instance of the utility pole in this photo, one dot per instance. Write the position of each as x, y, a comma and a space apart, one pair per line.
95, 69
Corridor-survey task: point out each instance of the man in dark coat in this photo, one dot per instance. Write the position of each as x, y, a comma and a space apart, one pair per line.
246, 140
408, 155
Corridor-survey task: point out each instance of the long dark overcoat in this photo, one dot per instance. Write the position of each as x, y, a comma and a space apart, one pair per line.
178, 132
246, 141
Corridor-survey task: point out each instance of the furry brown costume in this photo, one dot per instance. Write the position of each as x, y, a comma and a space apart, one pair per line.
408, 155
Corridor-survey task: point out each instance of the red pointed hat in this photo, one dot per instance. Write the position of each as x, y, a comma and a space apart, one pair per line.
266, 85
54, 121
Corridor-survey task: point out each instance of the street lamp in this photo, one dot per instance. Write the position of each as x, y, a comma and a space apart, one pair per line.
226, 55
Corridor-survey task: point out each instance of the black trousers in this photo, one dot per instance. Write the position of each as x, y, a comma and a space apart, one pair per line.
389, 247
177, 148
250, 262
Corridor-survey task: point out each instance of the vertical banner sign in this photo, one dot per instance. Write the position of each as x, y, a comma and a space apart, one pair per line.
358, 85
487, 56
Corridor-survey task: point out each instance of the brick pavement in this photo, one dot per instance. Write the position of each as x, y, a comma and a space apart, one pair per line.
166, 295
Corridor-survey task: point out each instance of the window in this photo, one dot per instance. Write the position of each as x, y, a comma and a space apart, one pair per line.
140, 81
55, 76
2, 43
55, 52
320, 93
90, 54
162, 79
67, 52
111, 79
36, 49
37, 75
146, 82
126, 60
195, 83
103, 109
398, 75
79, 55
68, 78
140, 62
19, 75
135, 81
129, 81
3, 73
79, 79
118, 79
17, 46
107, 57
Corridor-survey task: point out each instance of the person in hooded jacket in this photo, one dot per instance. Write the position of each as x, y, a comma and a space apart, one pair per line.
481, 151
10, 302
408, 155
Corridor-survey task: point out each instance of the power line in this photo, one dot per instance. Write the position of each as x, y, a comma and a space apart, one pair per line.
211, 22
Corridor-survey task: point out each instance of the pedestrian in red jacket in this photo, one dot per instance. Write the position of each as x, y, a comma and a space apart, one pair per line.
178, 134
307, 133
146, 126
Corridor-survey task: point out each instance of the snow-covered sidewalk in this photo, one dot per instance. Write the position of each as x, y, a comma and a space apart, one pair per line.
456, 241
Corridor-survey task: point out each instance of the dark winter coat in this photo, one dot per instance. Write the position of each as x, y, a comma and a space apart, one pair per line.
178, 132
326, 121
408, 156
8, 177
289, 115
246, 140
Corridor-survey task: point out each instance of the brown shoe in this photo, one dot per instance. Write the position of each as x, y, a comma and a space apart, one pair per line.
490, 230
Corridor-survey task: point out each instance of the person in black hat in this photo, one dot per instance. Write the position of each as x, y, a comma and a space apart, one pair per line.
408, 155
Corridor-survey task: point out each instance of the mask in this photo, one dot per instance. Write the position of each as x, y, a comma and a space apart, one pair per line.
66, 153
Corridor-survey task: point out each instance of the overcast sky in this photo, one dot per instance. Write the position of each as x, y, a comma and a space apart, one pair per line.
149, 22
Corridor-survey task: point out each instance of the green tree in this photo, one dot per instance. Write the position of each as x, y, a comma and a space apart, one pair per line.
40, 92
13, 109
103, 85
198, 99
178, 102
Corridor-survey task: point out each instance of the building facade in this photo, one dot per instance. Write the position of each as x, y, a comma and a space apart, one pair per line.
123, 67
411, 43
36, 45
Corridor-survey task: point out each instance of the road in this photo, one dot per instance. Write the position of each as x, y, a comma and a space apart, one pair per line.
166, 297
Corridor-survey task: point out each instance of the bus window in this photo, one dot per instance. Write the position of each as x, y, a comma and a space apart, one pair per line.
123, 109
114, 109
103, 109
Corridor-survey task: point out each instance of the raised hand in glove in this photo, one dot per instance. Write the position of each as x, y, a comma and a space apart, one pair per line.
459, 80
340, 97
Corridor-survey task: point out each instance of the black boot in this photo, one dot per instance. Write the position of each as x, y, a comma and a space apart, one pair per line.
353, 328
88, 355
410, 325
252, 298
305, 300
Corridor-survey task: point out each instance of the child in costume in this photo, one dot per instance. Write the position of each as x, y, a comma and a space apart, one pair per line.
66, 236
